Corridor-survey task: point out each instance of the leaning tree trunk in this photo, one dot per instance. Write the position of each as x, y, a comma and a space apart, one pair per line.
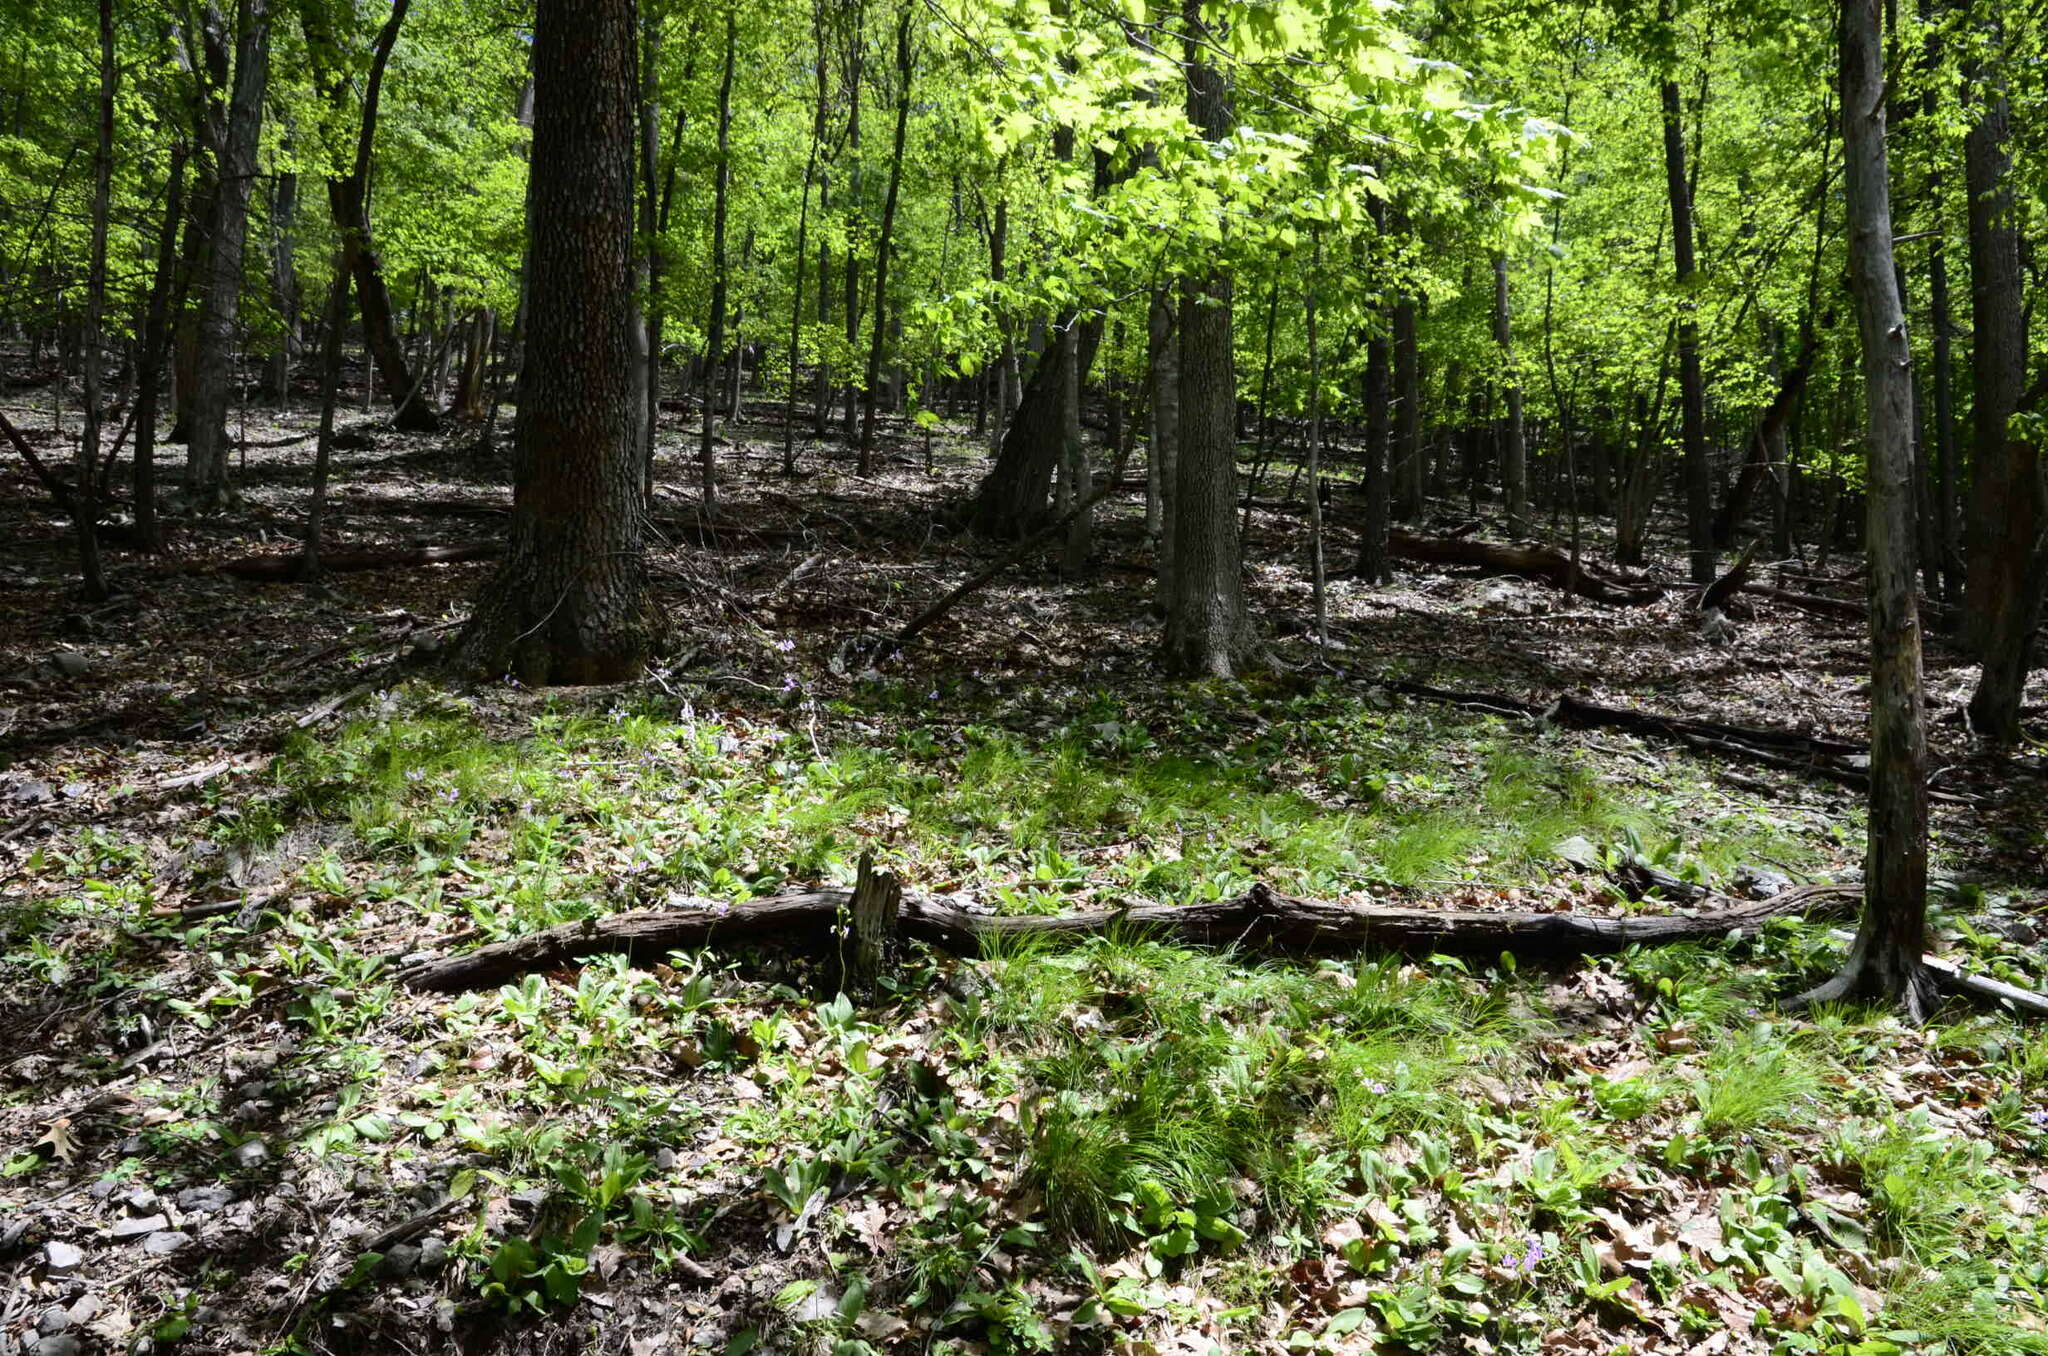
206, 462
1884, 961
1208, 632
1011, 499
565, 605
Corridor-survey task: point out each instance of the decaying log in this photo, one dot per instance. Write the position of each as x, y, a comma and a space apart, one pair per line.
1259, 918
283, 568
1810, 602
1544, 563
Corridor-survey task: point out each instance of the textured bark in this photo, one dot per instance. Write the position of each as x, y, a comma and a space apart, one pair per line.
206, 462
1259, 918
284, 282
1884, 961
565, 607
803, 232
1208, 631
2008, 507
1514, 459
333, 318
1699, 491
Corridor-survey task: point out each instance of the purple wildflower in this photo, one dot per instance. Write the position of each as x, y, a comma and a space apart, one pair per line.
1534, 1254
785, 645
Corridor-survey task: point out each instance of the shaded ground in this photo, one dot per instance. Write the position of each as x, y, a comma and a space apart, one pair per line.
229, 806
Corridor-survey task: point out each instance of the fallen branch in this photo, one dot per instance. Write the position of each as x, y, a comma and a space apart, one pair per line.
1948, 975
286, 568
1258, 918
1810, 602
1544, 563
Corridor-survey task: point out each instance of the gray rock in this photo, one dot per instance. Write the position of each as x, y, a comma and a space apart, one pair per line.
433, 1253
2018, 930
204, 1200
55, 1319
166, 1242
250, 1153
400, 1261
135, 1226
141, 1200
665, 1159
70, 663
1758, 882
62, 1258
57, 1344
1578, 852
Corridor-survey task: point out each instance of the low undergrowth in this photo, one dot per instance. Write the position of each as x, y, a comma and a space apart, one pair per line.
1114, 1145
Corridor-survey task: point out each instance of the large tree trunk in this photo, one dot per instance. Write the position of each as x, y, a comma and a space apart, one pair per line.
1884, 961
2003, 518
565, 605
1208, 632
1692, 398
206, 463
1012, 498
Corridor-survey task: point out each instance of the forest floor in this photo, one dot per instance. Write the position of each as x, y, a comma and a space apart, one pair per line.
230, 809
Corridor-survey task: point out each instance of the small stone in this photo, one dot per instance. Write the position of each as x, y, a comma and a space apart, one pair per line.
62, 1258
55, 1320
137, 1226
166, 1242
249, 1153
141, 1200
433, 1253
665, 1159
529, 1199
204, 1200
58, 1344
400, 1261
1578, 852
70, 663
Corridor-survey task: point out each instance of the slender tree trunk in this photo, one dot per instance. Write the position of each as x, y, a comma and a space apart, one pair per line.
1407, 451
1514, 468
647, 146
86, 493
1208, 631
334, 320
714, 345
1162, 374
565, 605
1006, 361
1315, 448
1884, 962
206, 464
803, 230
1699, 488
155, 341
885, 243
284, 280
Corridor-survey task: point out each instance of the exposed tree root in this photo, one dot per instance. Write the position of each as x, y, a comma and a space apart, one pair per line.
1259, 918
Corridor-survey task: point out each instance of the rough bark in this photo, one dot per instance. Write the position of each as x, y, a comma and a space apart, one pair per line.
714, 343
1208, 631
333, 318
206, 463
1407, 450
885, 244
1162, 453
86, 494
565, 607
1884, 961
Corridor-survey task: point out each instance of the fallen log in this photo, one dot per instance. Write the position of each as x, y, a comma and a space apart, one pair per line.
1810, 602
1544, 563
1259, 918
285, 568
